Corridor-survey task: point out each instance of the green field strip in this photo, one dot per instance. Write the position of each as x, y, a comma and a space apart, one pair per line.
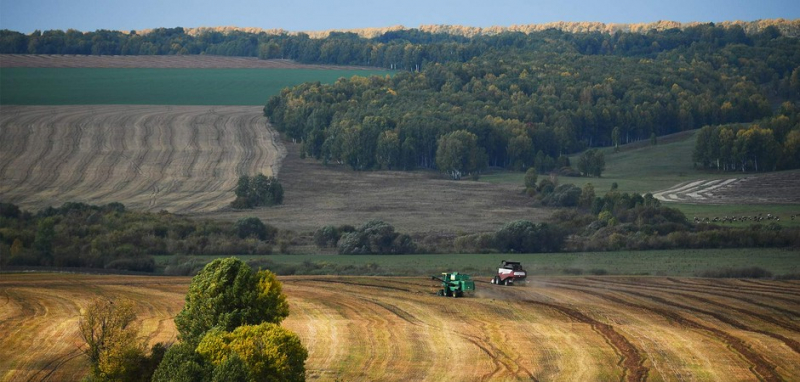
99, 86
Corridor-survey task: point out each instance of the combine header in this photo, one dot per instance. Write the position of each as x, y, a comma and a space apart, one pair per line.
454, 284
509, 272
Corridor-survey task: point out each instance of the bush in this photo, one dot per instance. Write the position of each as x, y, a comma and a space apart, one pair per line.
254, 227
564, 195
526, 237
327, 236
259, 190
375, 237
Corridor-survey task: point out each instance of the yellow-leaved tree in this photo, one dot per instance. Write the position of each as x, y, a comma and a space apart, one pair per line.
112, 346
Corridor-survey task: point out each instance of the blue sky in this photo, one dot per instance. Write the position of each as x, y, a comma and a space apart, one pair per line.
314, 15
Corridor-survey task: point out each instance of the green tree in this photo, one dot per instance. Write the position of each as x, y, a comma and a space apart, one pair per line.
227, 294
587, 196
388, 150
266, 351
254, 227
458, 153
182, 364
260, 190
592, 163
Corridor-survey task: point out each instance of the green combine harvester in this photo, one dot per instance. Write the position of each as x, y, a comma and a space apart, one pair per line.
454, 284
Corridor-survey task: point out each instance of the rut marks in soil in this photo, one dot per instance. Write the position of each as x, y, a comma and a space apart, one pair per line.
763, 369
632, 359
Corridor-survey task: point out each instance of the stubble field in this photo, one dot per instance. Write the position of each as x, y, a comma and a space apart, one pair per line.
396, 329
152, 158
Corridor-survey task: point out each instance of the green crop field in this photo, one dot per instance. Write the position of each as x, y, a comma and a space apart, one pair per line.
104, 86
664, 263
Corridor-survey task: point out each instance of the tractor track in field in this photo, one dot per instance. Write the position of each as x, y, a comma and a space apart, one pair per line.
719, 291
724, 284
792, 344
503, 363
632, 360
764, 317
763, 369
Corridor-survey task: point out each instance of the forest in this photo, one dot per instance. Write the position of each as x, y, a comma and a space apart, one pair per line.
526, 99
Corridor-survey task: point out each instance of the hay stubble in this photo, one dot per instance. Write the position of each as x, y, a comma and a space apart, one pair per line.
395, 329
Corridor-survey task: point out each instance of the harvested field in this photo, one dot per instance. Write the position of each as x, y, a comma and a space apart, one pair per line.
180, 159
156, 62
396, 329
414, 202
186, 159
773, 188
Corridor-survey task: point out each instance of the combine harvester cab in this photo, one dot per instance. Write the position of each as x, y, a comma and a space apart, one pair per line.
509, 272
454, 284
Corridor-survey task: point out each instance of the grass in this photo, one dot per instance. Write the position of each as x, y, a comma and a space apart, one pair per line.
636, 168
666, 263
642, 168
101, 86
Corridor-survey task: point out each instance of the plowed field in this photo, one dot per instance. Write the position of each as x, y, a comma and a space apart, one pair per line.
175, 158
396, 329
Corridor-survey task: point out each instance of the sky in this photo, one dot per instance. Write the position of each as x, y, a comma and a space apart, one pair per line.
316, 15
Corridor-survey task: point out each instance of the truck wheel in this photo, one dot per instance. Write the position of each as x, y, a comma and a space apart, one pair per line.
509, 281
455, 294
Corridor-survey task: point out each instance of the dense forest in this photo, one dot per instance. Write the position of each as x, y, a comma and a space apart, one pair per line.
525, 99
530, 99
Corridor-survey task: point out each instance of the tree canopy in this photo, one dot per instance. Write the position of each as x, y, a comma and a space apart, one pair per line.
227, 294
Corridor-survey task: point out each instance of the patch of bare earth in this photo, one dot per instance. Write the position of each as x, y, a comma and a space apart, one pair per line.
771, 188
397, 329
414, 202
156, 62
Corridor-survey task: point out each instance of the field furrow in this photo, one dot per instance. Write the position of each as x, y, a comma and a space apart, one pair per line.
761, 366
180, 159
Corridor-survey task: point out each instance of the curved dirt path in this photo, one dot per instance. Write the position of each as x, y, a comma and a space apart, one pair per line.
183, 159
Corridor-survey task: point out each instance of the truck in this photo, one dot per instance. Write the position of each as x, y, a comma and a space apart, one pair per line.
454, 284
509, 272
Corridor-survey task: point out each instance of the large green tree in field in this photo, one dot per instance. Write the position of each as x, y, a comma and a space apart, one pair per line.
226, 294
229, 329
458, 153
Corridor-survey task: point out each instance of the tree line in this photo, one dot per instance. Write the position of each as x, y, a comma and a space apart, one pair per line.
765, 145
522, 110
115, 238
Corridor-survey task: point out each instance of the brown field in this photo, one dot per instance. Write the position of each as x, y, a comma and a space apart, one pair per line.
156, 62
186, 159
396, 329
175, 158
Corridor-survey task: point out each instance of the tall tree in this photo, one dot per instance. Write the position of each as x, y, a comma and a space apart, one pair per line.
458, 153
227, 293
